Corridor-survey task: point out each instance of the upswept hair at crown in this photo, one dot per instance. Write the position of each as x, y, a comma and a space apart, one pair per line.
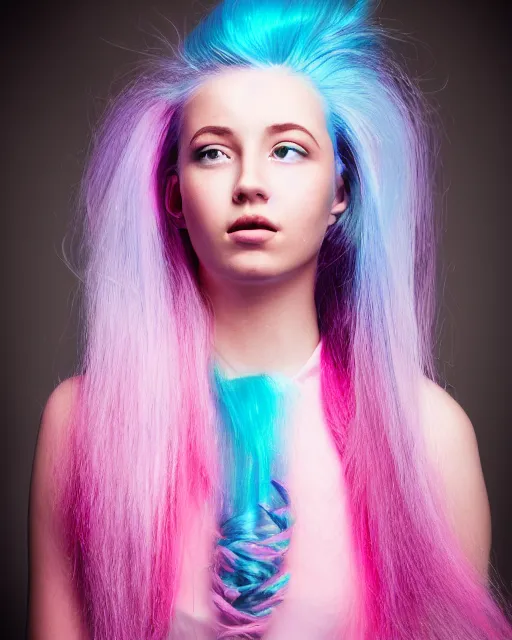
143, 449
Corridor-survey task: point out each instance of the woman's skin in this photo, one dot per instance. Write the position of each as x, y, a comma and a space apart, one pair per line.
262, 297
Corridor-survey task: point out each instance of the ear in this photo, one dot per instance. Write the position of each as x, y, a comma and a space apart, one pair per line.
172, 200
340, 202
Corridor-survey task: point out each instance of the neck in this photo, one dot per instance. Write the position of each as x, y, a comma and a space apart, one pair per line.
263, 328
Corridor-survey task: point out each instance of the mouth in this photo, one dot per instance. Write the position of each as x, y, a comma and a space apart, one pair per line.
249, 223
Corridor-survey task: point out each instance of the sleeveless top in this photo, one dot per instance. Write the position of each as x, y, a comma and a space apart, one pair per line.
320, 600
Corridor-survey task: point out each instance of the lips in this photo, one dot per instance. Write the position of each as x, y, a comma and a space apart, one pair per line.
252, 222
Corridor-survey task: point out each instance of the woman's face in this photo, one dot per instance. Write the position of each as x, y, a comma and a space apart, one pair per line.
255, 143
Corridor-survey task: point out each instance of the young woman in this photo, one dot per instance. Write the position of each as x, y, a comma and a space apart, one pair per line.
254, 445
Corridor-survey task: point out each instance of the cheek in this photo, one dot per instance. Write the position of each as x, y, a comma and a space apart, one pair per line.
203, 202
309, 198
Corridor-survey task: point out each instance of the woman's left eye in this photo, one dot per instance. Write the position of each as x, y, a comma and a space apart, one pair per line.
285, 147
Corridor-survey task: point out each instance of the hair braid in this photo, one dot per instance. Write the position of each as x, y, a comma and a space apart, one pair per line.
249, 575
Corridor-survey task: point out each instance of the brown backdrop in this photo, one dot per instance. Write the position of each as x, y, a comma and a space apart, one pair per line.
59, 62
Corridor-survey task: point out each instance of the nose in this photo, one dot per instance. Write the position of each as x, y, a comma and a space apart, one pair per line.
249, 187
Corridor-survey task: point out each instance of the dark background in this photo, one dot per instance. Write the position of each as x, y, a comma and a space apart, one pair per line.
60, 63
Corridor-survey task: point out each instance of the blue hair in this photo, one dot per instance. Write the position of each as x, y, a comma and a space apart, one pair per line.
255, 516
375, 300
328, 43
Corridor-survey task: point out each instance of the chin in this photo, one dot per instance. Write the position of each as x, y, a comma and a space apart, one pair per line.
254, 275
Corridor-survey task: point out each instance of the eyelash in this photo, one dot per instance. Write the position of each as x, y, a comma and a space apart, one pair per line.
200, 154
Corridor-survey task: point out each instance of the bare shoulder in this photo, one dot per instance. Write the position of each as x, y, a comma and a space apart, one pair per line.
446, 421
54, 609
57, 410
53, 431
453, 448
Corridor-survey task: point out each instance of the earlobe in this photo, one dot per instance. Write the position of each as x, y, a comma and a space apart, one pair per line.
172, 200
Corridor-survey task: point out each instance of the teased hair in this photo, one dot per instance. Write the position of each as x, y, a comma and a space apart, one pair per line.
144, 439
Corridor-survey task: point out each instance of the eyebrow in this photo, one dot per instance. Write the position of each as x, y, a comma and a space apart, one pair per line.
273, 128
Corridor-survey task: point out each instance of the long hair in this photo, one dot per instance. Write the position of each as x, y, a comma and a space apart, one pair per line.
144, 446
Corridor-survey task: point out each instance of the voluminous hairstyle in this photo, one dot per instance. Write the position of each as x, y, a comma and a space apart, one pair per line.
144, 445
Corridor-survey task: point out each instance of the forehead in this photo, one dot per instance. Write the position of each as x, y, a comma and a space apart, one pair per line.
248, 100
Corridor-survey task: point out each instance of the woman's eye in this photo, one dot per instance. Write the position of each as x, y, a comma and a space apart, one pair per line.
209, 156
282, 152
214, 155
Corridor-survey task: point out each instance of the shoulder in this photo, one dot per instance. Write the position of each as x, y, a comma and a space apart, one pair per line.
54, 422
453, 448
51, 444
60, 401
54, 605
446, 422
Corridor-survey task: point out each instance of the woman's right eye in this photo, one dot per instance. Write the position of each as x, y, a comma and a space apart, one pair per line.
209, 156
